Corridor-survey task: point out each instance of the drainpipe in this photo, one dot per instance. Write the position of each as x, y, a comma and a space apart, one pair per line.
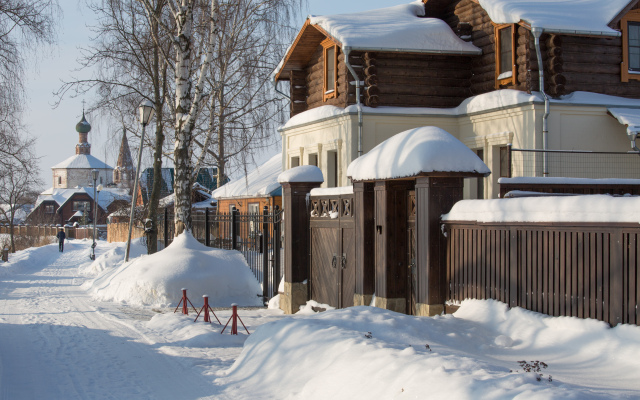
537, 32
347, 50
633, 132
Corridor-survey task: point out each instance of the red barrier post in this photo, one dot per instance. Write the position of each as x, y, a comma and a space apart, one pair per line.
183, 301
206, 309
235, 317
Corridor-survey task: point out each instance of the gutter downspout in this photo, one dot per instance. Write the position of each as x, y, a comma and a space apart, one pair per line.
537, 32
633, 132
347, 50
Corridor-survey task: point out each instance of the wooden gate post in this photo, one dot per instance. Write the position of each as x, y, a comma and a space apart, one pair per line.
434, 196
296, 244
365, 260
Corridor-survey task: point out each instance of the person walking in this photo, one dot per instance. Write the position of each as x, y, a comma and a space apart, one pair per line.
61, 236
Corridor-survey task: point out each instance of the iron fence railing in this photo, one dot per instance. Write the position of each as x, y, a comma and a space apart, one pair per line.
573, 163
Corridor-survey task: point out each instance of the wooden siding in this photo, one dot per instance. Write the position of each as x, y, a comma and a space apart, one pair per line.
242, 204
561, 269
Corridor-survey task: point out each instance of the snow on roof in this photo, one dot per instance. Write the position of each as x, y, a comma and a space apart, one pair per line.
419, 150
577, 16
399, 28
628, 117
61, 196
82, 161
303, 173
262, 181
590, 208
495, 100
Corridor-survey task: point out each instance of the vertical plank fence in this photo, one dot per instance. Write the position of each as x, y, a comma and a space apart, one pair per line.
586, 270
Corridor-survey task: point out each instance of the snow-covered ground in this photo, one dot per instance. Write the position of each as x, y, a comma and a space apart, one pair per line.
58, 340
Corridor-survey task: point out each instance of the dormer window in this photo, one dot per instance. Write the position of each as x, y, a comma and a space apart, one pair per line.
505, 55
630, 27
330, 58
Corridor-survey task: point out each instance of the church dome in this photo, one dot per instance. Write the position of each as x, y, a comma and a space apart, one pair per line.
83, 126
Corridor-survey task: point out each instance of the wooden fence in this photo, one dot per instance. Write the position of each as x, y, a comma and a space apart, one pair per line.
43, 231
586, 270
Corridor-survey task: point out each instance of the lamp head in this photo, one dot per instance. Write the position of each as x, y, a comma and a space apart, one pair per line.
94, 174
146, 111
99, 188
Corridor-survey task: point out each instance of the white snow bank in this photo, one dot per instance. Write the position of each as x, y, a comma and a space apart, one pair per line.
157, 279
113, 257
568, 181
303, 173
628, 117
259, 182
553, 15
335, 191
409, 153
394, 28
315, 114
370, 353
591, 208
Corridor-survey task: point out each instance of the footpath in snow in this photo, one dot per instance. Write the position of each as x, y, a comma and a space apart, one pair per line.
75, 329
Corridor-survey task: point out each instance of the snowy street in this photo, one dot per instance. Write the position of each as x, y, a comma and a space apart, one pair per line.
58, 340
59, 343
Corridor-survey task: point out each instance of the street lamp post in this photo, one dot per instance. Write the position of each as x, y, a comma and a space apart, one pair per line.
146, 112
94, 174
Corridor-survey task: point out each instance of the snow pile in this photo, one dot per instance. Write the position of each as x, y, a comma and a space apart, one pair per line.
394, 28
590, 208
552, 15
314, 115
113, 257
567, 181
370, 353
409, 153
303, 173
628, 117
259, 182
157, 279
335, 191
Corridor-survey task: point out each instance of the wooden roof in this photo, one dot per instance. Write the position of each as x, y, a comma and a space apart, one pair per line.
301, 50
633, 4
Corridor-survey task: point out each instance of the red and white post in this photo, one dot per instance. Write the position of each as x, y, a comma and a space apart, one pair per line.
206, 309
183, 301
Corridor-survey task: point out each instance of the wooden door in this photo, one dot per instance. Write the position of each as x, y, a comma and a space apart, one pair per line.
348, 267
325, 266
412, 271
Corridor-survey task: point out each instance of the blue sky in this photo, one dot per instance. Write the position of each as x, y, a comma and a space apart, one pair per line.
54, 129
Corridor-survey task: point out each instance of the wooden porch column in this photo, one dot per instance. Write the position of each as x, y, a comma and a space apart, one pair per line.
296, 244
365, 242
434, 196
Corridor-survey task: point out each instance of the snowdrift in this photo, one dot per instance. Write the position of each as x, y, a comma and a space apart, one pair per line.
367, 352
113, 257
157, 280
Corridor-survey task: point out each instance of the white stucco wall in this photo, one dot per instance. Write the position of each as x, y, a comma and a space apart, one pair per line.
73, 177
571, 127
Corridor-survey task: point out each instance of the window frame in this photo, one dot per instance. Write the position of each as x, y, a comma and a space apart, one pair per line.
496, 31
626, 75
326, 45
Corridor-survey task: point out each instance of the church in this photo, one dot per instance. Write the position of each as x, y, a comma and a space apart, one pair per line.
70, 199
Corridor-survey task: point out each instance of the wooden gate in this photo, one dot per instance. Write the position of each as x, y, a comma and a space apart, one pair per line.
333, 272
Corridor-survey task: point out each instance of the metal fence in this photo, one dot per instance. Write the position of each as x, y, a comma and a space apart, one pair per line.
258, 237
573, 163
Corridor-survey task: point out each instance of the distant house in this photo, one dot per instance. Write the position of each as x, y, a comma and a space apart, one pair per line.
471, 68
207, 179
200, 198
251, 193
66, 206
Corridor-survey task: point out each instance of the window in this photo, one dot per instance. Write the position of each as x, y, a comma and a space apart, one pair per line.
48, 209
59, 180
82, 206
630, 26
505, 55
332, 168
330, 58
254, 208
504, 162
295, 162
480, 180
313, 159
